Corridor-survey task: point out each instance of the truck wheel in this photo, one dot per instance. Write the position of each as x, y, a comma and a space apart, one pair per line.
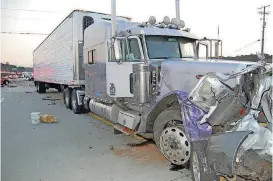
41, 87
60, 88
6, 82
67, 98
170, 136
77, 109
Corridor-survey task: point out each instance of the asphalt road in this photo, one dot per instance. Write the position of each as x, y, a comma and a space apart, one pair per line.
78, 147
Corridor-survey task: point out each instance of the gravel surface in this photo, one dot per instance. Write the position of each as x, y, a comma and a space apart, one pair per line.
78, 147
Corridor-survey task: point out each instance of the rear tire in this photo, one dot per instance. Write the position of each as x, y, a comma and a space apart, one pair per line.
77, 109
41, 87
176, 151
6, 82
67, 98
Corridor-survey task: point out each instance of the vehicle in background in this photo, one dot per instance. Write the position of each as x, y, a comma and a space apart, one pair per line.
12, 75
27, 75
136, 75
4, 78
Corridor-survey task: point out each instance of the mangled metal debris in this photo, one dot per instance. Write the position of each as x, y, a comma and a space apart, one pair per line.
241, 144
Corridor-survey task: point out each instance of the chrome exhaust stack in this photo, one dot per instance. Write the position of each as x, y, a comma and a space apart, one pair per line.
113, 18
177, 11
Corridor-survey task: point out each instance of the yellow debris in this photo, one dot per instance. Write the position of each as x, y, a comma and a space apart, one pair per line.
47, 118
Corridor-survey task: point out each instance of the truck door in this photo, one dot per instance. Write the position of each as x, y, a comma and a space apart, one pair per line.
126, 52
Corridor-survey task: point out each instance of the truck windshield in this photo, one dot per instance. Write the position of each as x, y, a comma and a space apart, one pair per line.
164, 47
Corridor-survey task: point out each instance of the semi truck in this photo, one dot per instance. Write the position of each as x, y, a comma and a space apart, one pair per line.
135, 75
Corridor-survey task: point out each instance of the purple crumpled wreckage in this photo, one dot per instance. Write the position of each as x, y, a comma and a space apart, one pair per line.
191, 115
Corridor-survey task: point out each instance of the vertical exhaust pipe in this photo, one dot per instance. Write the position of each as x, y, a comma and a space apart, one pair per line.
113, 18
177, 11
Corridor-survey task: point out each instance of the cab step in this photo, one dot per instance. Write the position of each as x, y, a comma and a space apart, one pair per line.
130, 137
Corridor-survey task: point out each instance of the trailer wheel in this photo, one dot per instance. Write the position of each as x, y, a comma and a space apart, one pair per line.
67, 98
170, 136
77, 109
41, 87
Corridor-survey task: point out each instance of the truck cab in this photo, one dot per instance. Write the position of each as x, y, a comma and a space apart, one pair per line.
138, 78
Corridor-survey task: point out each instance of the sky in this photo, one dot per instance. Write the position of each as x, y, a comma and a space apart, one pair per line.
238, 20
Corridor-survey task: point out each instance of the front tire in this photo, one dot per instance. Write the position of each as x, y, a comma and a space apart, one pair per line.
77, 109
170, 137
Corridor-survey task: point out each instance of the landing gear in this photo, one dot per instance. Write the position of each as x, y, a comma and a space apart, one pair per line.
170, 137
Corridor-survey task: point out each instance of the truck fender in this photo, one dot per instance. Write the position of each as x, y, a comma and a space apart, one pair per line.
222, 150
190, 115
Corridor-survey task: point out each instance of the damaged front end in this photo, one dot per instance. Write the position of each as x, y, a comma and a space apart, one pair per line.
240, 146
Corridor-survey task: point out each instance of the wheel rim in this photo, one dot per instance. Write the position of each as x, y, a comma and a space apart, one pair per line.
195, 167
175, 145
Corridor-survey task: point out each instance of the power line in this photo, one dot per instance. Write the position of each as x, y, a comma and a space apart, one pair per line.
247, 45
23, 33
31, 10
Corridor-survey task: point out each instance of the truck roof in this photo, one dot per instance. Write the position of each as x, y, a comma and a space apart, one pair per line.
76, 10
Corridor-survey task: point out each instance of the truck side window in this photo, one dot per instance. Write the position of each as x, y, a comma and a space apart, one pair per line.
91, 56
134, 51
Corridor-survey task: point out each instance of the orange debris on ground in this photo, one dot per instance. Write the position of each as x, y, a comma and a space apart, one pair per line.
47, 118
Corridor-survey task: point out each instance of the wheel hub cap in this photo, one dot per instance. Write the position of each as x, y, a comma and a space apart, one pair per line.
175, 145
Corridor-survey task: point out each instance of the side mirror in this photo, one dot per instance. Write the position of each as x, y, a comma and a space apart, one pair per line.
120, 48
203, 44
117, 49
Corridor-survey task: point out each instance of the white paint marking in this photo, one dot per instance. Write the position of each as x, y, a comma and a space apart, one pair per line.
2, 99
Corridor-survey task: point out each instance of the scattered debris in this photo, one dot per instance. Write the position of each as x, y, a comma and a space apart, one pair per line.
90, 147
50, 98
28, 92
52, 103
111, 147
35, 117
47, 118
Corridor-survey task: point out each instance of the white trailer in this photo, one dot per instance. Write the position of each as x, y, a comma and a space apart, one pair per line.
58, 60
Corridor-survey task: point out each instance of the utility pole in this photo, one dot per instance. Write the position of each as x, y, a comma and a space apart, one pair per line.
263, 13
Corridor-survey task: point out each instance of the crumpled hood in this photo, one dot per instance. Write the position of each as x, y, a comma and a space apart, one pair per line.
184, 75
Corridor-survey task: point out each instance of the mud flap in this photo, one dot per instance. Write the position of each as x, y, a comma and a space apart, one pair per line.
222, 150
